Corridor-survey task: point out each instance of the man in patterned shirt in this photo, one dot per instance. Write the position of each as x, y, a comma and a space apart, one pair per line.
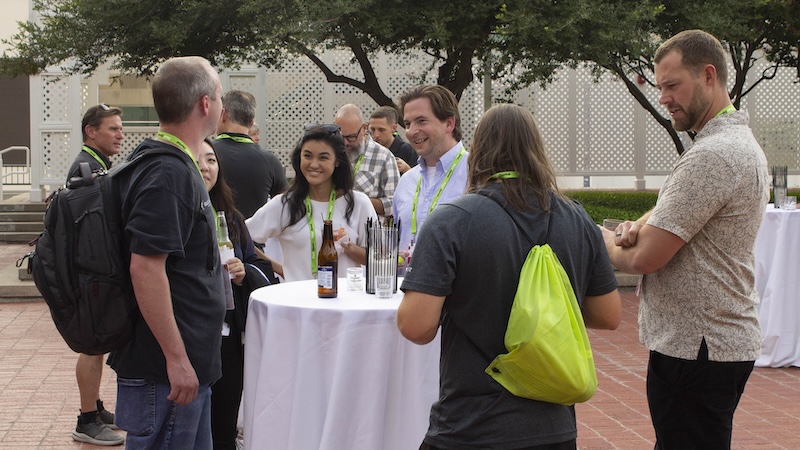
374, 165
697, 313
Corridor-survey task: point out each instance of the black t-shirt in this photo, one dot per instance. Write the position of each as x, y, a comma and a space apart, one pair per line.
166, 210
404, 151
471, 252
253, 173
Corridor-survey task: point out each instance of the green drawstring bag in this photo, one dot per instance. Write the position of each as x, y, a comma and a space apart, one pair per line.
549, 357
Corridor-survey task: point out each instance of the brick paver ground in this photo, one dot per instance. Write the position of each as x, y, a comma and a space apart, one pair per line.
39, 400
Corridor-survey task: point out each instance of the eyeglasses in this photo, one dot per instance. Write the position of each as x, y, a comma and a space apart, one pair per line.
353, 137
329, 127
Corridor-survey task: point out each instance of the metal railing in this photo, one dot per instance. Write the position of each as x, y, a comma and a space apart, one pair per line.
24, 172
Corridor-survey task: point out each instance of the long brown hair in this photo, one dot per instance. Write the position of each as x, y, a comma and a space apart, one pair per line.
342, 174
507, 138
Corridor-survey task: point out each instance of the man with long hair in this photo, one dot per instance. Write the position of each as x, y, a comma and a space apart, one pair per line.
464, 276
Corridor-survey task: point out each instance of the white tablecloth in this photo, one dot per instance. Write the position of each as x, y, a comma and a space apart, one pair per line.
333, 373
778, 284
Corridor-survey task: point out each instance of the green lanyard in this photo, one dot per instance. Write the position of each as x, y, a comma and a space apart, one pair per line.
358, 163
174, 140
507, 175
725, 110
313, 231
240, 139
90, 151
439, 191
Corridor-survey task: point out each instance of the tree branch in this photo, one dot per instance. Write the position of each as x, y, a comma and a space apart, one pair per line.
642, 100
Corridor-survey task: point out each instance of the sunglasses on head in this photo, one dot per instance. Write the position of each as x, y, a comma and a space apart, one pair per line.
329, 127
104, 106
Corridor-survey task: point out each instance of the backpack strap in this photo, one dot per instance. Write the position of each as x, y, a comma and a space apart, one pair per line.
491, 196
133, 160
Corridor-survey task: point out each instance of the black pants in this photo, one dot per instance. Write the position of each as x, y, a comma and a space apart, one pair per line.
226, 393
692, 402
569, 445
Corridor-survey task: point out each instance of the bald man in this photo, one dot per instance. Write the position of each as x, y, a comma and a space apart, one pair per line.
374, 166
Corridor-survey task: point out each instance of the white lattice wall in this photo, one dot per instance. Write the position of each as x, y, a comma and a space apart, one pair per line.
589, 128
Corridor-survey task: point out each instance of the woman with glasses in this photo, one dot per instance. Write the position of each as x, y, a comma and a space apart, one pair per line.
321, 190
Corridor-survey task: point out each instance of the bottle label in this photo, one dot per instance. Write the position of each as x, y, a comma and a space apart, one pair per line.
226, 253
325, 276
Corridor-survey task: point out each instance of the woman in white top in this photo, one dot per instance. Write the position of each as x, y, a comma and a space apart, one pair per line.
322, 188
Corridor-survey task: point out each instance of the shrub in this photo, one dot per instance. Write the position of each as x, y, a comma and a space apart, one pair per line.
622, 205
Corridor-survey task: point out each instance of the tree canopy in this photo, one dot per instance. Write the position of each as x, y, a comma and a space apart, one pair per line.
751, 31
530, 39
136, 35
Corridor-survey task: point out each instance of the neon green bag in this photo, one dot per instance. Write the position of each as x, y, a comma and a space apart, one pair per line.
549, 357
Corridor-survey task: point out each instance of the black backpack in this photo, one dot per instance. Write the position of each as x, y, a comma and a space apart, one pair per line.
81, 265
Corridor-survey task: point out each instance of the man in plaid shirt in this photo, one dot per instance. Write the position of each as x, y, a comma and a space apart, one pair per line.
374, 166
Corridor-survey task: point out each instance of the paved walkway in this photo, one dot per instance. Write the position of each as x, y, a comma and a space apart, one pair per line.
39, 401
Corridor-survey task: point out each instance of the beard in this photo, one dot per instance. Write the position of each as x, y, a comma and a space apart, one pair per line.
693, 112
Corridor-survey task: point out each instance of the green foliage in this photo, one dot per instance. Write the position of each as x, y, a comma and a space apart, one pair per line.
522, 41
621, 37
137, 35
622, 205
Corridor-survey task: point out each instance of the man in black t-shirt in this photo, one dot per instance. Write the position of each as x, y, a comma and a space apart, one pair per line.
102, 136
165, 372
253, 174
383, 129
464, 275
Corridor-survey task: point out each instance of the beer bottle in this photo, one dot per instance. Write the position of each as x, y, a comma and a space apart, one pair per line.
327, 264
225, 253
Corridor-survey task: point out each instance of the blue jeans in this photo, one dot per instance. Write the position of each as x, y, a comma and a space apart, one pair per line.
153, 422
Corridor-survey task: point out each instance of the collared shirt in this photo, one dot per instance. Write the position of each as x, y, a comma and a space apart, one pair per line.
406, 189
713, 200
377, 175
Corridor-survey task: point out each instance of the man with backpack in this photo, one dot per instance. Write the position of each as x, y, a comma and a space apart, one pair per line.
464, 276
102, 136
165, 371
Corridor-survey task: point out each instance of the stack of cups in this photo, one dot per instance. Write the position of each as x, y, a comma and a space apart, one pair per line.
381, 268
779, 180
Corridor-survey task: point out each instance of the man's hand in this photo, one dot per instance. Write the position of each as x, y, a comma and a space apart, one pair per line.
627, 233
402, 166
638, 248
183, 382
151, 286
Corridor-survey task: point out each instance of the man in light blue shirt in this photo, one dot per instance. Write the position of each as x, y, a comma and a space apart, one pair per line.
433, 128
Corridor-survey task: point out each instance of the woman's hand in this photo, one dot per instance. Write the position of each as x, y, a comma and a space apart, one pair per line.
354, 251
236, 268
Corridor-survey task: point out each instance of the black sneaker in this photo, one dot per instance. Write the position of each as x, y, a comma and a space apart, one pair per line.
106, 416
96, 433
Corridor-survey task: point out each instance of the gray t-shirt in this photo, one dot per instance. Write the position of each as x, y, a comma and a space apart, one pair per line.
713, 200
471, 252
